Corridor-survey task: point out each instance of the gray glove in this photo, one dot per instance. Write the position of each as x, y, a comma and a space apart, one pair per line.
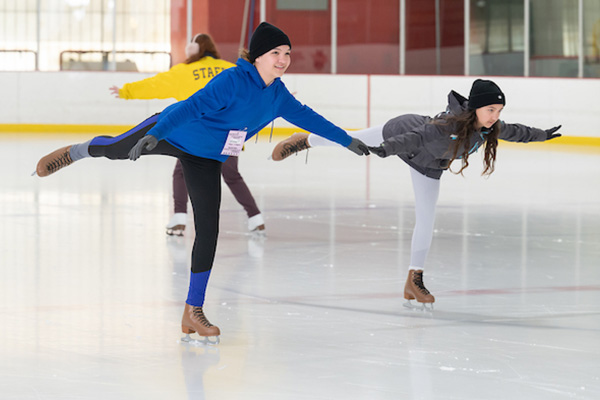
358, 147
147, 142
550, 133
379, 150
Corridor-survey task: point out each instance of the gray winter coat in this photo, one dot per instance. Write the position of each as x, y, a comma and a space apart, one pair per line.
426, 146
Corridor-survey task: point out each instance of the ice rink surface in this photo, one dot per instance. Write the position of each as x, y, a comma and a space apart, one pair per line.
92, 290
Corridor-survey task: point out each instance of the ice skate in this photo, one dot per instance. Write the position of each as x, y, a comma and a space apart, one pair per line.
256, 226
194, 321
415, 289
54, 161
259, 232
176, 224
295, 143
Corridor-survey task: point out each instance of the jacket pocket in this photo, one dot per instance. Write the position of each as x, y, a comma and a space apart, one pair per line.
420, 157
413, 154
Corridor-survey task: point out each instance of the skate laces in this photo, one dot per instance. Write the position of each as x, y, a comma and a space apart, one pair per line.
199, 314
61, 161
293, 147
418, 281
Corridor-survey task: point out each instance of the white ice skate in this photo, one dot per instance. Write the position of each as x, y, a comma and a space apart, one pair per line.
176, 224
256, 226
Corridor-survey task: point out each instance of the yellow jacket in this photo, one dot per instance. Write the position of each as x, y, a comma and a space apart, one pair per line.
180, 82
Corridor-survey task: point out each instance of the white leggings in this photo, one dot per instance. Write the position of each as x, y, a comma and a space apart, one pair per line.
426, 192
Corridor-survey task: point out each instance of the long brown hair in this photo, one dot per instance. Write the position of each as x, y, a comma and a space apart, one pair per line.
206, 45
464, 127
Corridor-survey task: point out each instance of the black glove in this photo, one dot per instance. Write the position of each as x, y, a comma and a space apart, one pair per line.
379, 150
550, 133
358, 147
147, 142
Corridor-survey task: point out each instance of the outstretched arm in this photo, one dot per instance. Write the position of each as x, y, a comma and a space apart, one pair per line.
306, 118
164, 85
524, 134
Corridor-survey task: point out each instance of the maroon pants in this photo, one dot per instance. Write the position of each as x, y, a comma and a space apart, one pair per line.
232, 178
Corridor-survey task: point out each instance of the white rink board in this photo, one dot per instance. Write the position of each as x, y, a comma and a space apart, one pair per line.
84, 98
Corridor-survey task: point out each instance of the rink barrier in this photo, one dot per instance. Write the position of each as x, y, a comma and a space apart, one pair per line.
57, 101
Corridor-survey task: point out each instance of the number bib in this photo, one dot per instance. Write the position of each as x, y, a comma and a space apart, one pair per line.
235, 142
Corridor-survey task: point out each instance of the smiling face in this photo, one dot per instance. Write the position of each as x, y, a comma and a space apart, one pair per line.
273, 63
488, 115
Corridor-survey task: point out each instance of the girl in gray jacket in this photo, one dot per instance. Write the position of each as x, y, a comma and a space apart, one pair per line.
429, 145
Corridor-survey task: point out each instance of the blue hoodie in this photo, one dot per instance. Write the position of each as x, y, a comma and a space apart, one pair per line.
236, 99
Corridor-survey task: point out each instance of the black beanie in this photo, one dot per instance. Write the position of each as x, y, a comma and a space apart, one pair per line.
483, 93
265, 38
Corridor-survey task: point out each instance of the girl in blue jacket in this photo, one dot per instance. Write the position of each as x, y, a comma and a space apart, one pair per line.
202, 131
203, 63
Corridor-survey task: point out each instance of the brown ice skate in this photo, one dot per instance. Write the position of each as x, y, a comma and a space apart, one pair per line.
54, 161
194, 321
292, 145
415, 289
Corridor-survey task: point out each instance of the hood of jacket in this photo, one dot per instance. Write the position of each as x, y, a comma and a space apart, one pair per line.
456, 103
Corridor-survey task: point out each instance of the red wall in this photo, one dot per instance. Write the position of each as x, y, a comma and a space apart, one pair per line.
368, 34
420, 37
310, 34
222, 19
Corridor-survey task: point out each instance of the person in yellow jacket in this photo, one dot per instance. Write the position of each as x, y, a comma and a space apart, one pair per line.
202, 64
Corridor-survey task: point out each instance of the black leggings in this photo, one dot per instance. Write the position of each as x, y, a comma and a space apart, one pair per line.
202, 178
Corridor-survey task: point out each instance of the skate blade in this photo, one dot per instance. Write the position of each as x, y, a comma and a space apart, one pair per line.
258, 235
174, 232
34, 173
418, 306
206, 341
